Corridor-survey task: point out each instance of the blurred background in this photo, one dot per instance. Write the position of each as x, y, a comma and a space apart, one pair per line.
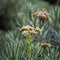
10, 10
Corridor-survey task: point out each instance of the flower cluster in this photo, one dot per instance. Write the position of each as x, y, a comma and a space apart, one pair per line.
28, 30
43, 16
46, 45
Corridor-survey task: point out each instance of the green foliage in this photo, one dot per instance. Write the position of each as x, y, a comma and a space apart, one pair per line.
13, 44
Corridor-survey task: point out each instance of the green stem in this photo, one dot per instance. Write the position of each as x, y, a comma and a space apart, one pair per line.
29, 52
29, 49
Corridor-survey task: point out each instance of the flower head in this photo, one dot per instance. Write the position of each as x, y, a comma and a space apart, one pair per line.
38, 29
25, 33
28, 30
42, 15
46, 45
36, 14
